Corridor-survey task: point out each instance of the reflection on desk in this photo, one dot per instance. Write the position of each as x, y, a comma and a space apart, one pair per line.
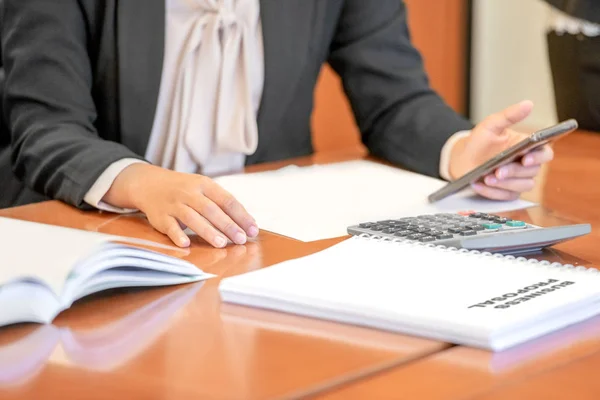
102, 348
566, 342
327, 331
575, 379
463, 372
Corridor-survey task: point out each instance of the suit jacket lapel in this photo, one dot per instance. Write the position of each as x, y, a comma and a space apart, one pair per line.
141, 35
286, 26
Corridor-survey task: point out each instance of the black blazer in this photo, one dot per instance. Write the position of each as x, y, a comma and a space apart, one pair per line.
585, 9
82, 79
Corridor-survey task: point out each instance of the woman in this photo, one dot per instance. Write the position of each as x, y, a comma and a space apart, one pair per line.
574, 50
133, 104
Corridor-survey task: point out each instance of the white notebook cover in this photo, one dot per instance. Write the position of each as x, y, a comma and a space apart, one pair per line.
470, 298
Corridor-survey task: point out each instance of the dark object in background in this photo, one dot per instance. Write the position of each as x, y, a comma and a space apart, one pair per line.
575, 65
588, 10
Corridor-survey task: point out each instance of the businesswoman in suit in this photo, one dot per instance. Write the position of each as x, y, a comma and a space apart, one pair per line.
133, 104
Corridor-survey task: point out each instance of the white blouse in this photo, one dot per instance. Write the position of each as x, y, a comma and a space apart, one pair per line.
211, 87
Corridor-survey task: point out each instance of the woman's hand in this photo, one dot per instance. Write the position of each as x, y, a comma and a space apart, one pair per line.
490, 137
173, 200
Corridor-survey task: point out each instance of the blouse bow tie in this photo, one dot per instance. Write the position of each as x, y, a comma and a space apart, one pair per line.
218, 85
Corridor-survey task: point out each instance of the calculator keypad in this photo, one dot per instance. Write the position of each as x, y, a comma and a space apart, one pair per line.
444, 226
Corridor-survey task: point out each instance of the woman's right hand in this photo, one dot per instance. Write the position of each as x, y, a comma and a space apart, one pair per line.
172, 199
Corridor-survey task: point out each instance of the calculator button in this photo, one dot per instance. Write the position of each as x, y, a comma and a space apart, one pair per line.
513, 228
477, 215
456, 230
366, 225
435, 232
416, 236
468, 233
492, 226
501, 220
403, 233
427, 239
515, 224
423, 230
389, 230
377, 228
476, 228
444, 236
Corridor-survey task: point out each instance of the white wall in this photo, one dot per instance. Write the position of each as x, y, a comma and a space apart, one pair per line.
510, 61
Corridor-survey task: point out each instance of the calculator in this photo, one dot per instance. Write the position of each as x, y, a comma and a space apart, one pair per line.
473, 231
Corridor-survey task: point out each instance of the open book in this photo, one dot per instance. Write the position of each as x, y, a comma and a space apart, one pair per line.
45, 268
458, 296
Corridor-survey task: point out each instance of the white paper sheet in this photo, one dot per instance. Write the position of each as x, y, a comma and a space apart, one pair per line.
321, 201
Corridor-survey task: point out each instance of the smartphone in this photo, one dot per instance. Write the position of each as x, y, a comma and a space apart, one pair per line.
509, 155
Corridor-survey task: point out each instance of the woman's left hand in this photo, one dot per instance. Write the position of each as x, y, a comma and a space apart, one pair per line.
489, 138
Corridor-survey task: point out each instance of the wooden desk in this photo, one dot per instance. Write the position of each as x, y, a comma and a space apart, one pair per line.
182, 342
550, 367
575, 380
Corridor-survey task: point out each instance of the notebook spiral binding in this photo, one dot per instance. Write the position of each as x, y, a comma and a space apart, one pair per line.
533, 261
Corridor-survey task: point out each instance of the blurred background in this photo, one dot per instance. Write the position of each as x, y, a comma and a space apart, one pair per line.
481, 56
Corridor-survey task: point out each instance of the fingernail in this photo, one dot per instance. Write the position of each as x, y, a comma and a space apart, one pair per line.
527, 103
502, 173
239, 238
253, 231
528, 161
184, 241
490, 180
220, 241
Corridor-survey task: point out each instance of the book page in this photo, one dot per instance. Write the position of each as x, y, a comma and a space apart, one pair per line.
321, 201
43, 251
48, 253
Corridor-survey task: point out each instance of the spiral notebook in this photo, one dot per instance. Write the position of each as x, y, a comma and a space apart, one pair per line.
458, 296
